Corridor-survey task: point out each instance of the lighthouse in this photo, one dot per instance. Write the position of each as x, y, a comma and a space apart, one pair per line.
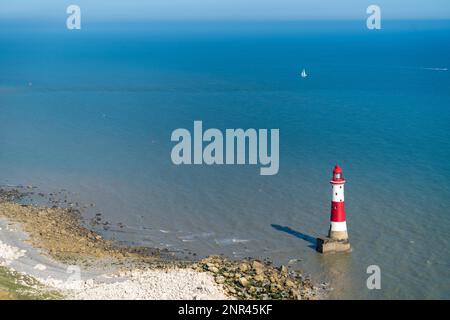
337, 240
338, 225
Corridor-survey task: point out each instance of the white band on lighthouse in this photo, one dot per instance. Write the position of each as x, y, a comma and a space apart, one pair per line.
338, 226
338, 193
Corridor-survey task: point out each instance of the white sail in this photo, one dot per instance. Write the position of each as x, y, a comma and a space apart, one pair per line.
303, 74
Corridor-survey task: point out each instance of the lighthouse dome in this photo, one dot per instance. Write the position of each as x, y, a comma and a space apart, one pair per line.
338, 176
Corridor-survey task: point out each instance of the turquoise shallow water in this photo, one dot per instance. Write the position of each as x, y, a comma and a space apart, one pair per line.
92, 112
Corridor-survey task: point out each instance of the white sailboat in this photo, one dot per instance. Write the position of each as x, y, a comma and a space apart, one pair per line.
303, 74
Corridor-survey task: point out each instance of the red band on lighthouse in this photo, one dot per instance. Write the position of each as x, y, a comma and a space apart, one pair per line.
337, 211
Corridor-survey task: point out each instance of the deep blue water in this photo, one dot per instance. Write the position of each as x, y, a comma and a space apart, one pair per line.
92, 111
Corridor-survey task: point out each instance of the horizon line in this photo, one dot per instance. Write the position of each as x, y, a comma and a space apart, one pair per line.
141, 20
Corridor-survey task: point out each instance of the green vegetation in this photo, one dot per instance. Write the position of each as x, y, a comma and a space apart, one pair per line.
15, 286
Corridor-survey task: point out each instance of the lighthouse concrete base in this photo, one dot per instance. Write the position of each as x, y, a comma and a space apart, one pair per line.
328, 245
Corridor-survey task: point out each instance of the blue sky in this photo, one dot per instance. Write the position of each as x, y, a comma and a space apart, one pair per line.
174, 10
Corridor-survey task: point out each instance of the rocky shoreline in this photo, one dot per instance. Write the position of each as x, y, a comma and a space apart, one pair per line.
253, 279
60, 233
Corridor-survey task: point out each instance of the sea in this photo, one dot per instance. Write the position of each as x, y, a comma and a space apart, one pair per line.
91, 112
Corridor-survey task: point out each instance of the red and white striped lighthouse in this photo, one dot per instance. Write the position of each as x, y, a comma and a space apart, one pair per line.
338, 227
337, 240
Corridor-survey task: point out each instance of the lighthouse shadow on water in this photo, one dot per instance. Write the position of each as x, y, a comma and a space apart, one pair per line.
310, 239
